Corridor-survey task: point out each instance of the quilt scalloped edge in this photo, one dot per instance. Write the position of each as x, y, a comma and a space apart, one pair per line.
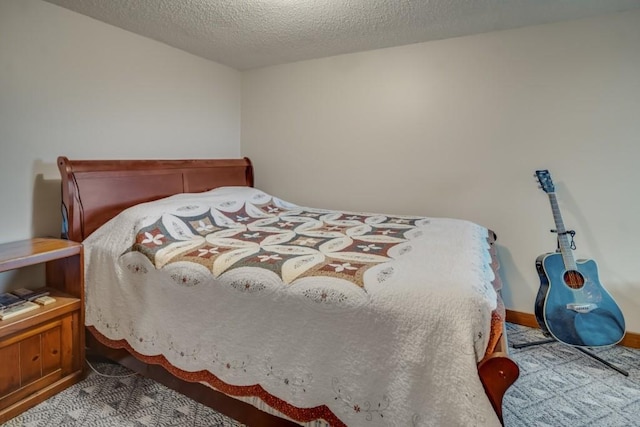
297, 414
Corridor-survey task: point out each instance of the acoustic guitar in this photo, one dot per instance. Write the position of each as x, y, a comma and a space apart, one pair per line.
571, 304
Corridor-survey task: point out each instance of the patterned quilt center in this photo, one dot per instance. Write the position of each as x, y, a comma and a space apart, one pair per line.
291, 242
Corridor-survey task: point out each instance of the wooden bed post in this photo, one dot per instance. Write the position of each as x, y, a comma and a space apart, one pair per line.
69, 196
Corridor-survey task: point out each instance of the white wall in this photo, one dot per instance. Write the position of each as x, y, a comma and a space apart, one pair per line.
71, 85
457, 127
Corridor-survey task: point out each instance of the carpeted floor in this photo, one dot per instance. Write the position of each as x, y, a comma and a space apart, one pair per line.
558, 386
123, 400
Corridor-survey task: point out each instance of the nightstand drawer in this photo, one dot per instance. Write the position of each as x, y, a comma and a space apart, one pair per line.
34, 359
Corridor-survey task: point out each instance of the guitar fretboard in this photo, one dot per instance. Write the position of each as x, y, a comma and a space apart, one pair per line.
563, 239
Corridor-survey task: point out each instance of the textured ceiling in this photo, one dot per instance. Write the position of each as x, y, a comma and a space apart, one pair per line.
247, 34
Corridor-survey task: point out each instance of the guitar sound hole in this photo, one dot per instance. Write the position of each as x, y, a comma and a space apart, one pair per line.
573, 279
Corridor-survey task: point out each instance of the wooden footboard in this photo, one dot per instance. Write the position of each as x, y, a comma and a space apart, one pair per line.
496, 370
497, 373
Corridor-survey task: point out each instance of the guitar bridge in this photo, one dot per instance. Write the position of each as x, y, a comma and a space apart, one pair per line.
581, 308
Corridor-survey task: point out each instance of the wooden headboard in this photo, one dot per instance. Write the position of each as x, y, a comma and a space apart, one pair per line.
94, 191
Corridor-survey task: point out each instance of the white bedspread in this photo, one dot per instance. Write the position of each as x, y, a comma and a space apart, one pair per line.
380, 318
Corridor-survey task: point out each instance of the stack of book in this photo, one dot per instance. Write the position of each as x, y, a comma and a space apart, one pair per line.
22, 300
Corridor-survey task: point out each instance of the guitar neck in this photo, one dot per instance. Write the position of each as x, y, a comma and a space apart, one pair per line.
563, 239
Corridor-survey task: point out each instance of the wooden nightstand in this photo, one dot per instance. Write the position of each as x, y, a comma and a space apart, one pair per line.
42, 351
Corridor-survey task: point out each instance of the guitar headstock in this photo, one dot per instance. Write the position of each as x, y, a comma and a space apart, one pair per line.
544, 178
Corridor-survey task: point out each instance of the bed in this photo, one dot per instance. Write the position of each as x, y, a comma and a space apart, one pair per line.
276, 314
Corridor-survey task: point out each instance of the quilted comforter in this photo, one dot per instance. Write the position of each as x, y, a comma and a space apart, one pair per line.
352, 318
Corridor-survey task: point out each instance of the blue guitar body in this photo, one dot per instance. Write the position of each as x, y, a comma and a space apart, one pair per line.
584, 317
